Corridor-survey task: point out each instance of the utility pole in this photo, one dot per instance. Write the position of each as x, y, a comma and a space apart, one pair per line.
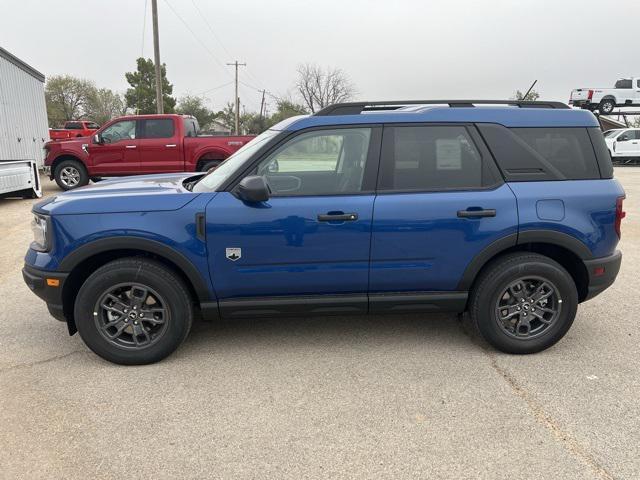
262, 105
237, 97
156, 56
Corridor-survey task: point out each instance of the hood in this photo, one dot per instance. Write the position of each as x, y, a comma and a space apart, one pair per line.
143, 193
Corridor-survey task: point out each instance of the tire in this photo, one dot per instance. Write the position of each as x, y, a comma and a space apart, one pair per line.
491, 299
106, 299
70, 174
207, 165
606, 106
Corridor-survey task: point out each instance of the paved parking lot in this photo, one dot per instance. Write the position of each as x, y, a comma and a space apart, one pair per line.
335, 397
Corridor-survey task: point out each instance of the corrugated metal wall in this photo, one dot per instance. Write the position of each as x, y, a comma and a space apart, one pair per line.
23, 115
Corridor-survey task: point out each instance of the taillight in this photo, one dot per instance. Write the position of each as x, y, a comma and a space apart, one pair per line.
590, 95
620, 214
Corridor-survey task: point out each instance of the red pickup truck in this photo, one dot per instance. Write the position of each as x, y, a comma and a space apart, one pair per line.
72, 129
137, 145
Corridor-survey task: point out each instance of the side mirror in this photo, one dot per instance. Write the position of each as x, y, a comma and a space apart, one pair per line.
97, 139
253, 189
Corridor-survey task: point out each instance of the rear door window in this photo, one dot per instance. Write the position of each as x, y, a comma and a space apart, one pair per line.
429, 158
157, 128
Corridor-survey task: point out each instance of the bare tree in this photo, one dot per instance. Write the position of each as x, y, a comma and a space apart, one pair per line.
320, 88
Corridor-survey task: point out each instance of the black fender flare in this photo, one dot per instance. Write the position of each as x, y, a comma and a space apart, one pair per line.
143, 244
550, 237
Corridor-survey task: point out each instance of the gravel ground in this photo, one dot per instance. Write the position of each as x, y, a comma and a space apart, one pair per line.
336, 397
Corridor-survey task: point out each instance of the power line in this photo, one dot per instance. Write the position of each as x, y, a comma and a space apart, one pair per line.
275, 97
144, 27
215, 88
211, 29
204, 45
217, 38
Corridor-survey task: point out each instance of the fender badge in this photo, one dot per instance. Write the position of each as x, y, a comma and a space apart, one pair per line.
234, 254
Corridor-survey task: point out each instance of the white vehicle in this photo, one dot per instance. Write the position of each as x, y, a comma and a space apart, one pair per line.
623, 142
626, 93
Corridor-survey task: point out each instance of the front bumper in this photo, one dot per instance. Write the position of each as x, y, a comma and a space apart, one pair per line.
602, 273
48, 286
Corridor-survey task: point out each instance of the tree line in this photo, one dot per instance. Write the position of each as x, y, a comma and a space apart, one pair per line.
72, 98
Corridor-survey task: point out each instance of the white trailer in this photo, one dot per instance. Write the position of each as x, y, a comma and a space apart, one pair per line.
23, 126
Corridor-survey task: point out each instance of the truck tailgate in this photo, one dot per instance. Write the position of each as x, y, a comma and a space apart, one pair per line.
20, 175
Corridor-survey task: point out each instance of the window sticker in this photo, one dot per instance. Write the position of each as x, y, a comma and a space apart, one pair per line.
448, 154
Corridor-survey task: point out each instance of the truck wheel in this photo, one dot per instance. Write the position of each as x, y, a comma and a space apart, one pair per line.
606, 106
523, 303
133, 311
70, 174
206, 166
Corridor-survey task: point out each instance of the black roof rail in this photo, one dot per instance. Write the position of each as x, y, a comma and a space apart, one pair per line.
356, 108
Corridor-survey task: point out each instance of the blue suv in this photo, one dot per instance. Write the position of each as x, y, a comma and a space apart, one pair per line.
506, 210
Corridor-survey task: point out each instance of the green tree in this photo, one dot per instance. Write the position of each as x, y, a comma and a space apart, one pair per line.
227, 116
285, 109
67, 98
141, 97
531, 96
191, 105
104, 105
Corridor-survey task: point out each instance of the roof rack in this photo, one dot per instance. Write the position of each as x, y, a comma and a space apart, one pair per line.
356, 108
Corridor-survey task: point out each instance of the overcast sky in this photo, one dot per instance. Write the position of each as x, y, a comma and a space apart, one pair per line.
391, 49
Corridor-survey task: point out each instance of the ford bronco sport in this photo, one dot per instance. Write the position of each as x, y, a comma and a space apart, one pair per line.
506, 210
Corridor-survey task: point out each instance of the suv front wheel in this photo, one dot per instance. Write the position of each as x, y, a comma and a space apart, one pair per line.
523, 303
133, 311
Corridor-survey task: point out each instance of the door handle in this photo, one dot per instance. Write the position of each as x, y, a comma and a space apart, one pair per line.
338, 217
490, 212
171, 145
130, 146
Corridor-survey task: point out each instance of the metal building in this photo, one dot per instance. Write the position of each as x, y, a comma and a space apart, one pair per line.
23, 123
23, 113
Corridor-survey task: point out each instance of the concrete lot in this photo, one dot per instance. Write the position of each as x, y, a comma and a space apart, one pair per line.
339, 397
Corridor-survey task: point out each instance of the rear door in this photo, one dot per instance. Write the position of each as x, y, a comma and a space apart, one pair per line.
311, 239
160, 146
440, 202
118, 154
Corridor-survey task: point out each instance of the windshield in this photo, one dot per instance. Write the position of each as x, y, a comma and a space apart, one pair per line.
608, 133
212, 181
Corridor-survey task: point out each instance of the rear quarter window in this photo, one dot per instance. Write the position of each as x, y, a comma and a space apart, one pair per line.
530, 154
569, 150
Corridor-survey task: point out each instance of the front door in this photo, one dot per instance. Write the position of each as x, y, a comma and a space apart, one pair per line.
118, 152
440, 202
307, 247
160, 146
628, 144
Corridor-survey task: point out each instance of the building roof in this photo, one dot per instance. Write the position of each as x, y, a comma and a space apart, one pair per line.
25, 67
507, 116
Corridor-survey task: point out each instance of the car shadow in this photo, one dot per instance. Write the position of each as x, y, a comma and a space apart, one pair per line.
446, 330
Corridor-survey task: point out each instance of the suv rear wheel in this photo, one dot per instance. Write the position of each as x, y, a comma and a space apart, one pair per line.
70, 174
523, 303
133, 311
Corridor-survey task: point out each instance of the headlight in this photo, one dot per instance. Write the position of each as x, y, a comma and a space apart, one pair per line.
40, 229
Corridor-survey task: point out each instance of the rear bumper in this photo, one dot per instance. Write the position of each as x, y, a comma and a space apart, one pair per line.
602, 273
48, 286
581, 103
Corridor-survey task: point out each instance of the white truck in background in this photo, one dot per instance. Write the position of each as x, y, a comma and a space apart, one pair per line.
625, 93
